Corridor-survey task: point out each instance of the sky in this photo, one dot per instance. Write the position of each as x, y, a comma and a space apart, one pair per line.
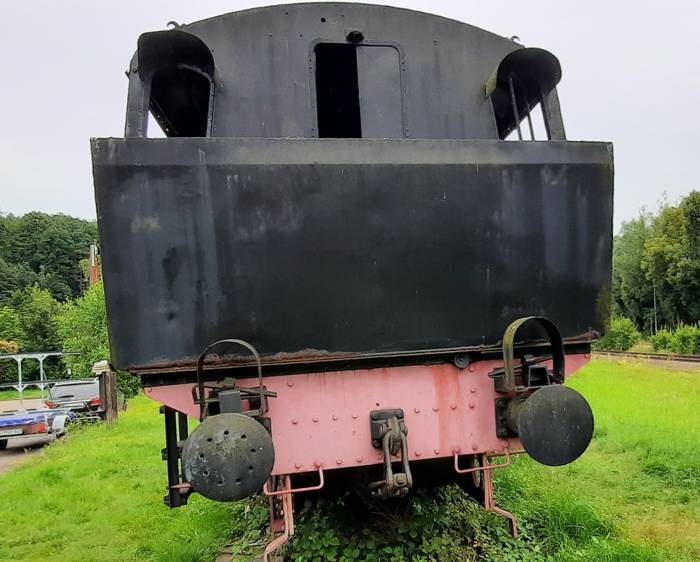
631, 75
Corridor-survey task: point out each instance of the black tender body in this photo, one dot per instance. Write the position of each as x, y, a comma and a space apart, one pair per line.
426, 234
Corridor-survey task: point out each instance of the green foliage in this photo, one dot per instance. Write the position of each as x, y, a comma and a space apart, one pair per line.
661, 251
685, 340
82, 326
29, 319
37, 310
13, 277
431, 525
632, 292
130, 385
661, 341
42, 249
11, 328
620, 336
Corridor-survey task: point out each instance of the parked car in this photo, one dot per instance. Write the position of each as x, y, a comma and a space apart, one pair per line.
79, 396
23, 424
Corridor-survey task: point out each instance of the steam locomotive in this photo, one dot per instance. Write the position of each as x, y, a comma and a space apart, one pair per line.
350, 256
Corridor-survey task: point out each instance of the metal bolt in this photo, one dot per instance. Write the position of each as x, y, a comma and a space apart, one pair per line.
297, 465
416, 410
436, 451
290, 383
359, 459
472, 405
295, 421
472, 390
475, 447
471, 368
435, 408
453, 406
417, 453
315, 419
335, 418
338, 461
354, 416
455, 450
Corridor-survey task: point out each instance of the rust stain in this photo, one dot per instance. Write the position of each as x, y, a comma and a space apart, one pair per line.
311, 356
444, 396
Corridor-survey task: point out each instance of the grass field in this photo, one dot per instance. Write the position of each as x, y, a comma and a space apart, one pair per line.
642, 471
14, 395
635, 495
98, 496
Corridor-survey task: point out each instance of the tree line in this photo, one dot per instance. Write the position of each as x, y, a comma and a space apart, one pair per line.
43, 263
48, 251
656, 267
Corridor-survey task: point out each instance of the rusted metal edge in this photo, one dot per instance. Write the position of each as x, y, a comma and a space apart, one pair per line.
313, 356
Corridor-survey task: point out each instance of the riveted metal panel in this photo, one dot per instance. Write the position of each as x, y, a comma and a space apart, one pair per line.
313, 248
264, 68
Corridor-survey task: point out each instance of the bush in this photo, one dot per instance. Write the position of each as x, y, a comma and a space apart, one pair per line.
662, 340
82, 325
684, 340
128, 384
622, 334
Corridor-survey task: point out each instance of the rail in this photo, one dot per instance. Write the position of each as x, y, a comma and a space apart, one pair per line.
653, 356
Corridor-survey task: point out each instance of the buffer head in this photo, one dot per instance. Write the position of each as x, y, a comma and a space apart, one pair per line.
555, 425
228, 457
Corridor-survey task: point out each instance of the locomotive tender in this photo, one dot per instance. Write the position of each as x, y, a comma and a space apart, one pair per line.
338, 263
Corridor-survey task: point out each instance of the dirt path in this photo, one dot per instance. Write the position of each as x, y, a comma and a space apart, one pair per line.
21, 450
12, 405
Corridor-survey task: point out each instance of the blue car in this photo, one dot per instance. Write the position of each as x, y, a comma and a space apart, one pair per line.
23, 424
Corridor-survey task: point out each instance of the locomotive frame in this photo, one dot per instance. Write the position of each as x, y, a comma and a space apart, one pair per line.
406, 288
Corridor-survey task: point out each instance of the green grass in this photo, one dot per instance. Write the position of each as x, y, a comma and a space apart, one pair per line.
642, 346
634, 496
642, 471
14, 395
98, 496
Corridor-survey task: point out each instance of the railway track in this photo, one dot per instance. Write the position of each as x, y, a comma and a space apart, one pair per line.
664, 357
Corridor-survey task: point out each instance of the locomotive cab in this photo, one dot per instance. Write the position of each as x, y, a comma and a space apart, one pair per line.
348, 254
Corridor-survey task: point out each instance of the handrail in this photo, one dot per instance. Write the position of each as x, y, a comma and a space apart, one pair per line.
509, 461
320, 485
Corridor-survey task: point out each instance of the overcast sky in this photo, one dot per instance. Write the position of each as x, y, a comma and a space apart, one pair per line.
631, 75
